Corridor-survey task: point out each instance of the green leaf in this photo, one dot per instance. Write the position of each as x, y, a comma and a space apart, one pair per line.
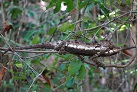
58, 6
52, 3
15, 12
82, 72
69, 4
95, 31
104, 9
62, 66
19, 65
119, 2
83, 4
51, 31
15, 2
128, 2
73, 67
28, 34
66, 26
28, 62
35, 39
19, 77
123, 27
32, 14
70, 81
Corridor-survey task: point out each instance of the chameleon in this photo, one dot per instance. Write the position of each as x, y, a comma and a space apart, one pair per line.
101, 49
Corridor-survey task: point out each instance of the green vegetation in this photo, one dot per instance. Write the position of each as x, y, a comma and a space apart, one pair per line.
29, 22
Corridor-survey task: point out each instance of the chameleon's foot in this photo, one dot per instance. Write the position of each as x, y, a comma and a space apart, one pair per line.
61, 48
98, 63
61, 52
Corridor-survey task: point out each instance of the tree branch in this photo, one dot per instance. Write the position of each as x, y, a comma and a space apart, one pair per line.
30, 51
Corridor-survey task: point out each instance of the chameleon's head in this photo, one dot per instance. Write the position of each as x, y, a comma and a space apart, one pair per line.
112, 51
110, 48
108, 44
105, 43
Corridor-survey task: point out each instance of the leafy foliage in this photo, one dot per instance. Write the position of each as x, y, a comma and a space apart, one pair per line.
32, 22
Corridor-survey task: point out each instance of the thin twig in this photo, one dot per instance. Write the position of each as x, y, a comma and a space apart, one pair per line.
106, 23
135, 88
82, 59
2, 12
40, 74
29, 51
34, 80
123, 66
30, 57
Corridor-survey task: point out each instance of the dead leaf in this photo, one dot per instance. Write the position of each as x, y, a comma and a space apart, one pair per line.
2, 72
7, 27
40, 78
5, 24
127, 52
46, 78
